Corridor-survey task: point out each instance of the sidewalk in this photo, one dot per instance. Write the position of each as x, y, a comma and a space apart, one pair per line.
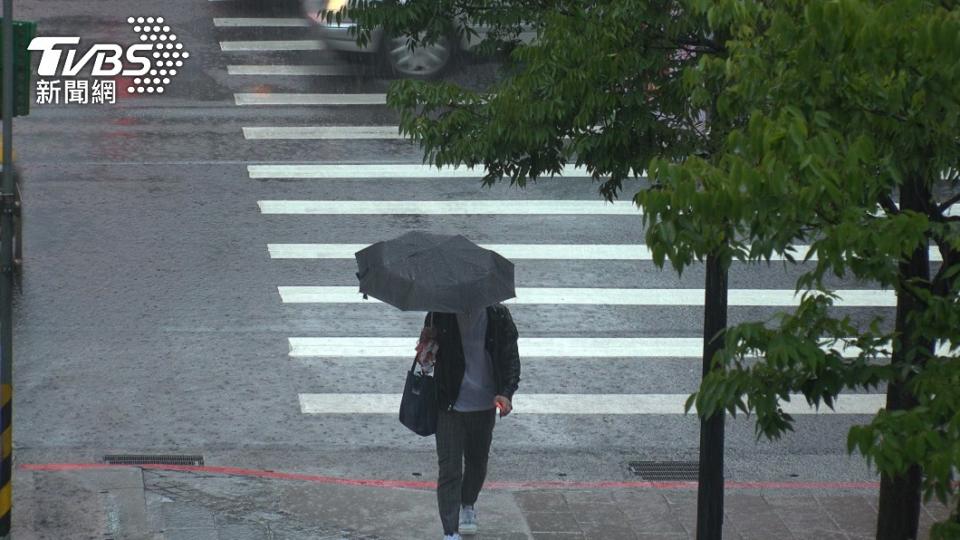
160, 504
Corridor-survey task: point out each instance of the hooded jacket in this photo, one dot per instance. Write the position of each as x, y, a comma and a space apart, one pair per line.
501, 343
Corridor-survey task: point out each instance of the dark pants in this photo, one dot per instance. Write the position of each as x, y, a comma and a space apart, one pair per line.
461, 437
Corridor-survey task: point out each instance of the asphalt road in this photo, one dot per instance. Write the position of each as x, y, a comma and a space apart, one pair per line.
150, 319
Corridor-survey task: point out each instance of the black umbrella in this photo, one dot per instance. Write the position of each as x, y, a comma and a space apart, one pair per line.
421, 271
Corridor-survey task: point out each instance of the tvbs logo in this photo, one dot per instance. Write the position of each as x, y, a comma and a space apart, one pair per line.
152, 63
107, 58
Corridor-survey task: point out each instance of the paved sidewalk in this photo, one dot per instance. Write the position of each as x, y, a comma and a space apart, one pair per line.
156, 504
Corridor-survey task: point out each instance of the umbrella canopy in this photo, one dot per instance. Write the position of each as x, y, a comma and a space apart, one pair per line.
421, 271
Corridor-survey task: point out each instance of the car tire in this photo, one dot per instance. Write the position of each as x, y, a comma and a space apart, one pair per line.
426, 62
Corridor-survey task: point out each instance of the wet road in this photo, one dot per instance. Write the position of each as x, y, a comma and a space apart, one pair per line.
151, 318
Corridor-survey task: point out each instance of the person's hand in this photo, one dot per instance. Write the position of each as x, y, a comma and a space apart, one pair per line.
503, 404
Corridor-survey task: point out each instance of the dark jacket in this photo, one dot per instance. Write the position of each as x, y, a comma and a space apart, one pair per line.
501, 343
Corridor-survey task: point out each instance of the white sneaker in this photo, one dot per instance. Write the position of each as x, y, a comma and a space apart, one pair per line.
468, 520
454, 536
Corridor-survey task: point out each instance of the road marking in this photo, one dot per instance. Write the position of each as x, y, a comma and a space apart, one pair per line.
310, 99
323, 132
380, 170
496, 207
304, 70
609, 252
553, 347
429, 485
393, 347
258, 21
510, 251
612, 296
635, 404
529, 347
266, 45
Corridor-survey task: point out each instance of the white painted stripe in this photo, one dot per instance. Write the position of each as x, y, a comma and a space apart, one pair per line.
532, 347
305, 70
323, 132
510, 251
258, 21
529, 347
495, 207
310, 99
392, 347
612, 296
635, 404
379, 170
278, 45
623, 252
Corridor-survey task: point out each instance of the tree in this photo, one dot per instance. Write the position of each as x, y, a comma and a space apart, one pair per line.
855, 104
819, 114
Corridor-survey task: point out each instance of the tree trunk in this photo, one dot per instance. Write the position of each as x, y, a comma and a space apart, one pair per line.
899, 506
710, 485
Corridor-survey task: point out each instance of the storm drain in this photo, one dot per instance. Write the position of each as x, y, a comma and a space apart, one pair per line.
152, 459
665, 470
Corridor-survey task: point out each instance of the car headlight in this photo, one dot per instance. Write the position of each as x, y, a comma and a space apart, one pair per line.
336, 5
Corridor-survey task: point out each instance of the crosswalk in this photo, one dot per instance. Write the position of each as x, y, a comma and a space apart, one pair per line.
613, 237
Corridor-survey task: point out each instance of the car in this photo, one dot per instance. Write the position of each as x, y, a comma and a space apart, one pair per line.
423, 62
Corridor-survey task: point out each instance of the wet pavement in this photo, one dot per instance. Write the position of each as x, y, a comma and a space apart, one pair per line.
150, 319
158, 504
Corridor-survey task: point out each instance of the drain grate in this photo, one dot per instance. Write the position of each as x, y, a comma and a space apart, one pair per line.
152, 459
665, 470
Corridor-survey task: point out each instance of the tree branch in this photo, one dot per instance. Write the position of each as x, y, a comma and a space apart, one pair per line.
948, 203
888, 205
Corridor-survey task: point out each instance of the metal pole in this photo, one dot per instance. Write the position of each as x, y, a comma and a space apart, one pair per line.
6, 280
710, 486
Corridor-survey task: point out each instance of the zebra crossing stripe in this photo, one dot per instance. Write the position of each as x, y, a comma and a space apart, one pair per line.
533, 347
611, 296
462, 207
529, 347
264, 45
510, 251
309, 99
247, 22
322, 132
380, 170
619, 404
284, 70
623, 252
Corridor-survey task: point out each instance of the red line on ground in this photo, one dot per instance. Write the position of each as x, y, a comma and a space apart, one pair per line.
410, 484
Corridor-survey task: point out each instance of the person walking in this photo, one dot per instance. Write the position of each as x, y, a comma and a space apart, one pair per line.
477, 371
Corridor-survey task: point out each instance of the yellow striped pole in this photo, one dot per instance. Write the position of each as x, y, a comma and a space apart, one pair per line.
6, 468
